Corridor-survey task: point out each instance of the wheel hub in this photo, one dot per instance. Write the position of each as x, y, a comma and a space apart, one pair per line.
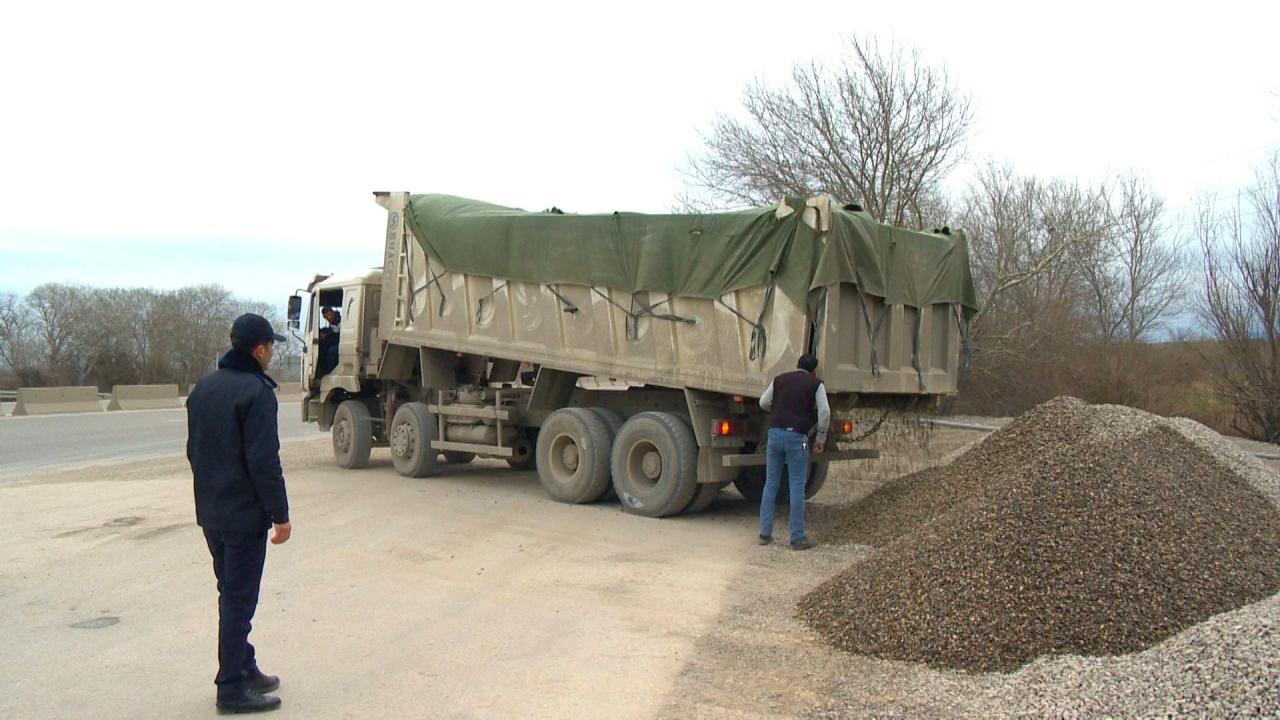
342, 435
569, 456
651, 465
401, 440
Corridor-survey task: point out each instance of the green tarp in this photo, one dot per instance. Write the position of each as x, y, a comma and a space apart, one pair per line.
695, 255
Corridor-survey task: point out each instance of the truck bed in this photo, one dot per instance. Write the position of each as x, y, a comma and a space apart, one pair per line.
732, 344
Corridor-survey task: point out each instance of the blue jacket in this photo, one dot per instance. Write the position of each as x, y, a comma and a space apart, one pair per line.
233, 445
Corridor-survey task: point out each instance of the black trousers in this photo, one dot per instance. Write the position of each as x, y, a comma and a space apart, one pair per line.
238, 559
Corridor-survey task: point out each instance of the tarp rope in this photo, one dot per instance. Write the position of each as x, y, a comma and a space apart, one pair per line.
481, 300
633, 316
873, 330
435, 280
413, 294
406, 263
759, 339
915, 348
569, 307
965, 341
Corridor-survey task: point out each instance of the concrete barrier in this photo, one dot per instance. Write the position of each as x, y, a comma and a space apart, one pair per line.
144, 397
292, 390
45, 401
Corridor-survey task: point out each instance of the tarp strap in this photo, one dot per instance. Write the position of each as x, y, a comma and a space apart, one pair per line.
569, 307
625, 311
915, 348
966, 347
633, 316
413, 295
481, 300
435, 280
647, 309
757, 329
759, 339
872, 330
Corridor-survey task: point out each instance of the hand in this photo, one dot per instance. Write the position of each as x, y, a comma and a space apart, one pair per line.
281, 534
819, 447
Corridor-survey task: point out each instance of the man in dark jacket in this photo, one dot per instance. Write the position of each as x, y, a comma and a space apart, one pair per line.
233, 445
328, 355
797, 403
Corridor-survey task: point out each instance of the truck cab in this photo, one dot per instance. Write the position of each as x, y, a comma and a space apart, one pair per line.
355, 298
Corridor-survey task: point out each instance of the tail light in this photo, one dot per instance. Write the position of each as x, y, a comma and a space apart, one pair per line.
844, 427
728, 428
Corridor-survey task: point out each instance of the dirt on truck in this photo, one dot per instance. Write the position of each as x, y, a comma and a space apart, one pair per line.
624, 354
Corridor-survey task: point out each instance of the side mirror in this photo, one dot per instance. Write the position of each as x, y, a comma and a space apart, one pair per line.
295, 311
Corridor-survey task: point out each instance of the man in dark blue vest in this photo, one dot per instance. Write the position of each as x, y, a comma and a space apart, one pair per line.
233, 444
797, 403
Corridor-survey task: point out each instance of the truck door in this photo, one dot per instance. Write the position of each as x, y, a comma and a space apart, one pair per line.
349, 344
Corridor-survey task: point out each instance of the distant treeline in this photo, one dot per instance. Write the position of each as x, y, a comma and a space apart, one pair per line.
77, 335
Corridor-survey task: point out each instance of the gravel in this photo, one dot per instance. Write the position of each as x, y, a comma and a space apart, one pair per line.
764, 661
1228, 666
1077, 529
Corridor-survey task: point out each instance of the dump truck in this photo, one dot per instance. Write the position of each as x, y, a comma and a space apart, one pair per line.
623, 354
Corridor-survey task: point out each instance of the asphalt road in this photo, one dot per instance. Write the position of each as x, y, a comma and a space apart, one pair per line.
41, 443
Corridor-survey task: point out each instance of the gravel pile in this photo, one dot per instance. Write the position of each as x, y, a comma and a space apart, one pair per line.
1077, 529
1227, 666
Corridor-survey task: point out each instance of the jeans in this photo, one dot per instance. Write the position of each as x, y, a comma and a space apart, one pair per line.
238, 559
791, 448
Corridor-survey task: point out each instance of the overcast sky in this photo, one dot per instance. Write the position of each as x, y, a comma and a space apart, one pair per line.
176, 143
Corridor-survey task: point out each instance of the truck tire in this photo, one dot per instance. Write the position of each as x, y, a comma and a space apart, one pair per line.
412, 430
573, 455
614, 421
523, 450
454, 457
655, 464
750, 483
705, 495
352, 434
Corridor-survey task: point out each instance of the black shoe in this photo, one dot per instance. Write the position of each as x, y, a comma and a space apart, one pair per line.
247, 702
260, 683
801, 545
765, 539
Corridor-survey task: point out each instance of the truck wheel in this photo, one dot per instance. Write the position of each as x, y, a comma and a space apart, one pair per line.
573, 455
611, 418
352, 434
454, 457
704, 496
522, 450
706, 493
412, 430
614, 421
750, 483
655, 464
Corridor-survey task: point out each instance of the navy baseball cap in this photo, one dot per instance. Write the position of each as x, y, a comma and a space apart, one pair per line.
253, 329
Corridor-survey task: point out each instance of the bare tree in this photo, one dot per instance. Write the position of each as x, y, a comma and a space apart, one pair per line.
1137, 272
59, 315
199, 320
18, 344
1026, 241
882, 129
1241, 303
